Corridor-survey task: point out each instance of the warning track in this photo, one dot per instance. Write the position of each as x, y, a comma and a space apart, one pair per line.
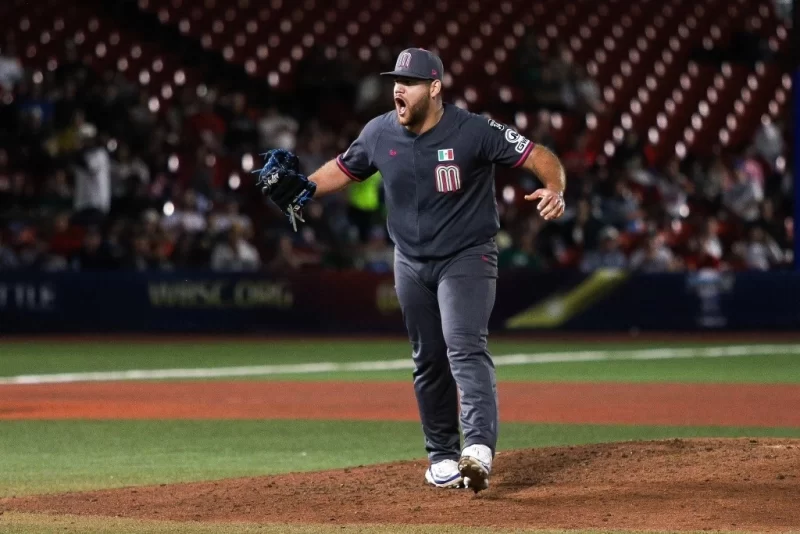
603, 403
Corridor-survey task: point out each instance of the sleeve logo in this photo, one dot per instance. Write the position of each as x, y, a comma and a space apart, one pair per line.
512, 136
521, 141
496, 125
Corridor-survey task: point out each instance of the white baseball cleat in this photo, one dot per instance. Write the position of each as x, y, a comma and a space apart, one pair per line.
444, 474
475, 466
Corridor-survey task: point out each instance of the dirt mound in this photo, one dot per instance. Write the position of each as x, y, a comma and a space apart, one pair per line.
737, 484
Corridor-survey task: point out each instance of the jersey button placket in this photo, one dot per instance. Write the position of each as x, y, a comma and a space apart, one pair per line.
416, 158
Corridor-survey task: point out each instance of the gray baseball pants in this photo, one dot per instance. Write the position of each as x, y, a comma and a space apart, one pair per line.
446, 306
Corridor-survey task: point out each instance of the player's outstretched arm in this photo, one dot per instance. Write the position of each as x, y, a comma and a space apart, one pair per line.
547, 167
329, 179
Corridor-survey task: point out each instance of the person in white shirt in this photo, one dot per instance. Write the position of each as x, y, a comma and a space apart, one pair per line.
653, 257
235, 253
11, 71
92, 166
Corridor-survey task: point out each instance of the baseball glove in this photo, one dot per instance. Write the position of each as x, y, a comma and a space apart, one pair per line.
281, 182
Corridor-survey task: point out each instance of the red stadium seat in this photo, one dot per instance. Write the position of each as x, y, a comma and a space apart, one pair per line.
637, 52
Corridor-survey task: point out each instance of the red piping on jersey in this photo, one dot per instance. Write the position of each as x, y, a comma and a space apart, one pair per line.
347, 171
524, 155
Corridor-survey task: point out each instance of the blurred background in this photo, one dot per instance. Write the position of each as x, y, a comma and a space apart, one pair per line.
129, 131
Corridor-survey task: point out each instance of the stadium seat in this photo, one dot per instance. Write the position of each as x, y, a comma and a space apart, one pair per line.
637, 52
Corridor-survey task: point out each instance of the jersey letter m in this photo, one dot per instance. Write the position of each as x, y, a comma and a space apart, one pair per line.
403, 61
448, 178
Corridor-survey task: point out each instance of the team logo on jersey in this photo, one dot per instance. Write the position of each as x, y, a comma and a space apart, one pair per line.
448, 178
515, 138
446, 154
496, 125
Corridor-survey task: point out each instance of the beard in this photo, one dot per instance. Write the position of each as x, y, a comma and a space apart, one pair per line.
415, 114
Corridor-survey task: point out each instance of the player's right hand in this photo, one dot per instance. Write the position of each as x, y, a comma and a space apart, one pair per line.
551, 203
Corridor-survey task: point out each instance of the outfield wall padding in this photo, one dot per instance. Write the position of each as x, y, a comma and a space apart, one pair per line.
357, 302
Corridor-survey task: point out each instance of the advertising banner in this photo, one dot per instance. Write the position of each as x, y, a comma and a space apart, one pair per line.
357, 302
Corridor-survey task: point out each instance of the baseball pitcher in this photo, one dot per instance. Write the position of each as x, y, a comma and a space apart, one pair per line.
437, 162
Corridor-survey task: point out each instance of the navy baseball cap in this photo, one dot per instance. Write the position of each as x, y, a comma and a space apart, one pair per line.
417, 63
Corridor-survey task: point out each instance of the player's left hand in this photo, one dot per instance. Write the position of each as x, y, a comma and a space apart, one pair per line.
551, 203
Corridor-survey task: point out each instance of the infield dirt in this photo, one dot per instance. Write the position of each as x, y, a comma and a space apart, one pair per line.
733, 484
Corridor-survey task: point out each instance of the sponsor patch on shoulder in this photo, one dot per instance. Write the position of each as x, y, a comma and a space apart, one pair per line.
496, 125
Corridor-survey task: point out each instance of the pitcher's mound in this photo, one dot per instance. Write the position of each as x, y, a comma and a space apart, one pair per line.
736, 484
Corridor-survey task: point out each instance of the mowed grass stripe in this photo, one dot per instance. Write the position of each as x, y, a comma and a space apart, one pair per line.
725, 351
57, 456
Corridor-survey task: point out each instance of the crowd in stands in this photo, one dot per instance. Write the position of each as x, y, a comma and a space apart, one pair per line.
94, 175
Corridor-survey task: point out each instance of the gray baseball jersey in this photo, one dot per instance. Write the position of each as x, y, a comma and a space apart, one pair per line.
439, 185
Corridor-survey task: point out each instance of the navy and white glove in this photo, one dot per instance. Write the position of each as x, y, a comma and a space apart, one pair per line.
280, 181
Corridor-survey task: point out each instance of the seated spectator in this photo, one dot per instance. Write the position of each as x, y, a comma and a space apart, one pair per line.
376, 255
234, 253
140, 257
584, 229
92, 256
128, 172
205, 125
186, 218
711, 182
288, 257
608, 255
654, 257
57, 195
579, 159
162, 252
768, 142
8, 258
63, 237
744, 196
759, 251
38, 255
708, 239
623, 208
632, 148
11, 72
277, 130
674, 189
222, 222
522, 253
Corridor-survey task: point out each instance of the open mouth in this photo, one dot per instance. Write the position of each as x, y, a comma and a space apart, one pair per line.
401, 105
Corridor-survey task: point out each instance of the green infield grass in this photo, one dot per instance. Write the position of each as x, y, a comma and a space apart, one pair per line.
58, 456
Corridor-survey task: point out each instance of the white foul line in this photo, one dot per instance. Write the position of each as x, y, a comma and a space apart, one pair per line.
403, 364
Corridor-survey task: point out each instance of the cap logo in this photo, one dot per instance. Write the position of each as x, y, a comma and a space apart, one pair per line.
434, 73
403, 60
